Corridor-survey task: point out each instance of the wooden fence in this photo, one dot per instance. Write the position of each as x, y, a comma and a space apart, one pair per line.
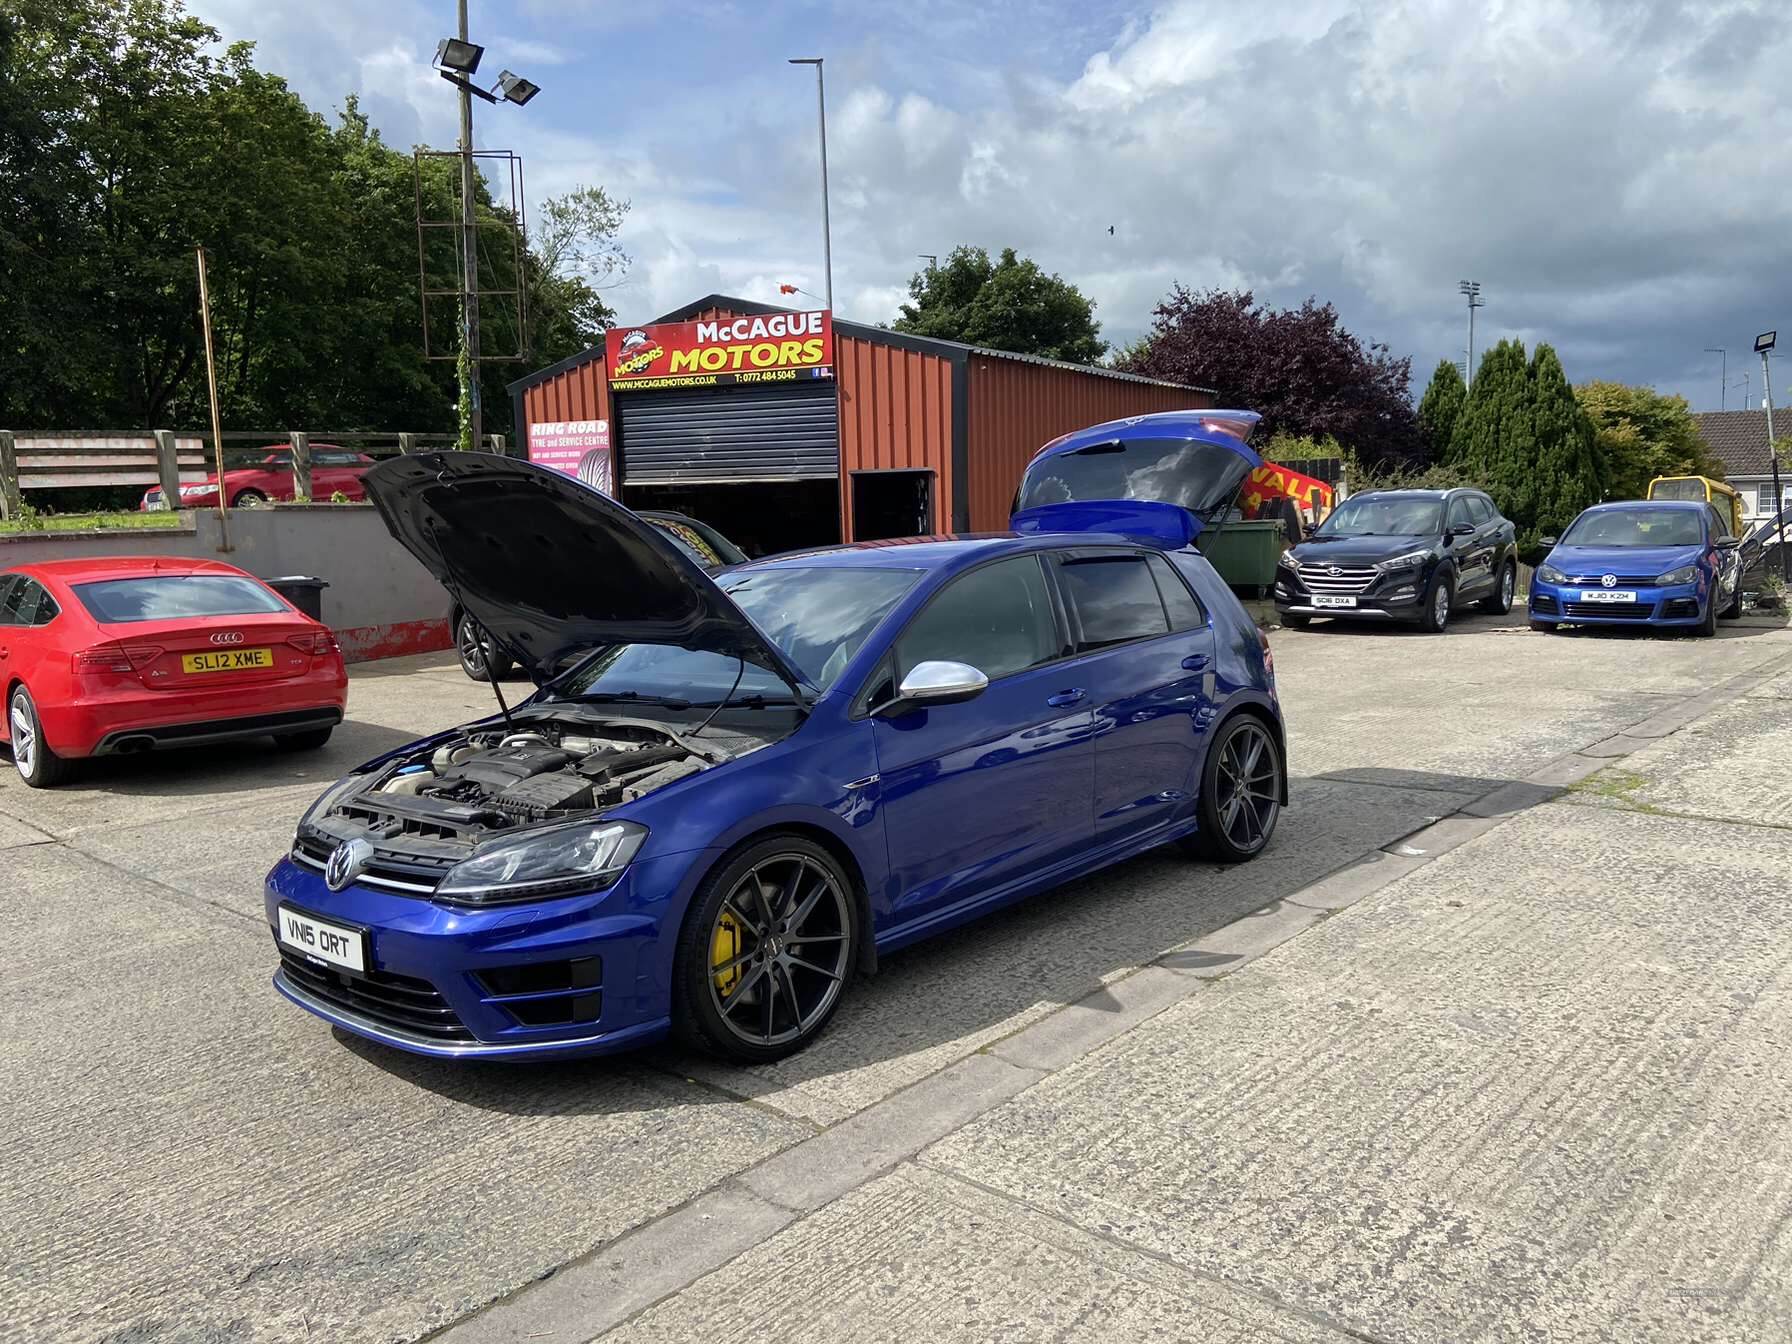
76, 459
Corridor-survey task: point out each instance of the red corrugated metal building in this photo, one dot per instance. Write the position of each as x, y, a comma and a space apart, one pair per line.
910, 435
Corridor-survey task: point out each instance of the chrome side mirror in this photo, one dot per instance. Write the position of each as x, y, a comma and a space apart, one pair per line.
936, 682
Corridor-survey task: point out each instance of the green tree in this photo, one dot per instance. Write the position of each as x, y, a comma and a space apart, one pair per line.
1564, 475
1439, 407
1642, 434
1494, 421
128, 136
1008, 304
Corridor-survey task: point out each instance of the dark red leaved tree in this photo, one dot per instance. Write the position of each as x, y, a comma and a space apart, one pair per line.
1297, 367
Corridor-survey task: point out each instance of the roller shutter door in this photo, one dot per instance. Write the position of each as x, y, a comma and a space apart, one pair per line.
779, 433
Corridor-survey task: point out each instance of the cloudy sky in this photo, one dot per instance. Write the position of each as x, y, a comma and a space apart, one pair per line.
1614, 173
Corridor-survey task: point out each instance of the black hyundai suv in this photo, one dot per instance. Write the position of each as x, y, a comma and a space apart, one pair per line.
1401, 555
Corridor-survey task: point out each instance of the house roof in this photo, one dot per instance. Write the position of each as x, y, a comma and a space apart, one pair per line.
1738, 439
861, 331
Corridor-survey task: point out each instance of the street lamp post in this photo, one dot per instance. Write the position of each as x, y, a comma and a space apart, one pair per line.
1723, 375
821, 106
1471, 290
1764, 347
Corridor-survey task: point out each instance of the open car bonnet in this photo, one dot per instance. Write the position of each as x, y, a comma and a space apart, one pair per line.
552, 569
1162, 478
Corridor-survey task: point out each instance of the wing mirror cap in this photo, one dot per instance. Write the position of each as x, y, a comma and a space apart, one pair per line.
1461, 530
1549, 541
935, 682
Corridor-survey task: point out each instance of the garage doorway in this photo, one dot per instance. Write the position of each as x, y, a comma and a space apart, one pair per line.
889, 504
760, 517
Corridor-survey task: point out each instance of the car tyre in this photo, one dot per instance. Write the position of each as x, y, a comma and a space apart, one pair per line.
767, 951
1438, 599
309, 740
1293, 622
1241, 793
37, 765
250, 499
1707, 626
1545, 627
1499, 601
477, 653
1733, 612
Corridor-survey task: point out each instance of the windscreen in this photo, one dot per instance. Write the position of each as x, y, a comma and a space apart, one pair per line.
1384, 516
1682, 487
1197, 476
1635, 527
170, 597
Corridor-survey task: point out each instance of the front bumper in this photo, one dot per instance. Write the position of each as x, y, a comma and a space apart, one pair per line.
1566, 604
432, 982
1391, 597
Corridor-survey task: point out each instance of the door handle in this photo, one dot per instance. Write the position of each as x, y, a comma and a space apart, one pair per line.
1062, 698
1194, 662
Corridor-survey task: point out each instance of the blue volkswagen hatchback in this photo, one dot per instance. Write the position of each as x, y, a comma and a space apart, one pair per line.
742, 789
1640, 562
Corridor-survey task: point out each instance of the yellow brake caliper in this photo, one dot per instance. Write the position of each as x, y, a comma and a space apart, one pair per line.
724, 948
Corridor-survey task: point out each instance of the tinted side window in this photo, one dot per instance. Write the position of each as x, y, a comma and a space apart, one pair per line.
29, 604
1719, 528
997, 618
1458, 512
1184, 611
1115, 599
1480, 511
8, 584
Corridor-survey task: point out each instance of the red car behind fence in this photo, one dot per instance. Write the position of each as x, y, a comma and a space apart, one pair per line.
334, 471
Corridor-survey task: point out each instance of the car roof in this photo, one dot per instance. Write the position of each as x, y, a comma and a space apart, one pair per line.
935, 552
1421, 494
91, 569
1622, 505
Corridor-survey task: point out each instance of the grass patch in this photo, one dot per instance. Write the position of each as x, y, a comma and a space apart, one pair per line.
120, 521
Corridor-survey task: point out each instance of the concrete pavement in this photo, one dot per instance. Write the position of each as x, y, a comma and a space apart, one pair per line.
1363, 1087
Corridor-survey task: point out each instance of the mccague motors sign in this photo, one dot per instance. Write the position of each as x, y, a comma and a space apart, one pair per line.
774, 348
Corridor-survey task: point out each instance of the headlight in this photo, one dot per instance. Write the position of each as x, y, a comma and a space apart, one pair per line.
1685, 574
568, 859
188, 491
1287, 561
1550, 574
1411, 560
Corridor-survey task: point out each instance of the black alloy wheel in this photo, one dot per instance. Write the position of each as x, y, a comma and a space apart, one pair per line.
1499, 601
766, 952
1435, 617
478, 658
1241, 793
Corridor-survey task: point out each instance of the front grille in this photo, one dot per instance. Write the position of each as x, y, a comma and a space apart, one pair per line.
1618, 580
547, 993
1320, 578
398, 1001
1625, 611
413, 874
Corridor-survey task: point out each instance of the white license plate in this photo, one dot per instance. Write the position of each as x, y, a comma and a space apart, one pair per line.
325, 942
1332, 600
1606, 595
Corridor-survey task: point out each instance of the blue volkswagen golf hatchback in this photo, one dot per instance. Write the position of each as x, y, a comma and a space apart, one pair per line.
1649, 562
730, 794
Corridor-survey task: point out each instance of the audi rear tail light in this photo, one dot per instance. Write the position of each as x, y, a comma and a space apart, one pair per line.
116, 659
316, 642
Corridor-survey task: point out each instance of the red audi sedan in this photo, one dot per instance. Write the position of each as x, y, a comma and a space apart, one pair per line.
334, 471
100, 657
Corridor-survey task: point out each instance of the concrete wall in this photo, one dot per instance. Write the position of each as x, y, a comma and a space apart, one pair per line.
380, 601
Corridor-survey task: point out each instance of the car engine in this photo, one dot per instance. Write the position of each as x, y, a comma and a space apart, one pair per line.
541, 771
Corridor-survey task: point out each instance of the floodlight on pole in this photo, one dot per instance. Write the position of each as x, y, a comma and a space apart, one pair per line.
459, 55
515, 89
1471, 290
456, 58
1723, 375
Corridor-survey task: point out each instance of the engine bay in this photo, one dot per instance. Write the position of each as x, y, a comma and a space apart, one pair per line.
537, 772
